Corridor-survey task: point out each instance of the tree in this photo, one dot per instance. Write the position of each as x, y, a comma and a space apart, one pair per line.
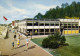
63, 5
38, 16
54, 41
9, 24
72, 10
62, 40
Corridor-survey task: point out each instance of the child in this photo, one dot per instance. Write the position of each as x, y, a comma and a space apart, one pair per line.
27, 41
13, 44
18, 43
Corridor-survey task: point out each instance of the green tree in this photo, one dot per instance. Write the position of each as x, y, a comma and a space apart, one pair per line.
72, 10
63, 39
54, 41
38, 16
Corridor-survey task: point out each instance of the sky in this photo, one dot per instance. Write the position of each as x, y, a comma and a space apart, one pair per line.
20, 9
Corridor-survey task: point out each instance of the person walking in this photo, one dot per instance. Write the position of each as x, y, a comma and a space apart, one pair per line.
27, 42
13, 31
19, 36
15, 36
13, 44
31, 34
18, 42
27, 34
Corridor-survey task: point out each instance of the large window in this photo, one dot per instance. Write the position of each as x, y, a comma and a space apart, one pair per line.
29, 24
51, 24
56, 24
52, 30
46, 30
46, 24
41, 24
36, 24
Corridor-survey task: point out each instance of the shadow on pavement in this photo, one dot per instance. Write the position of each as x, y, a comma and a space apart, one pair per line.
18, 53
24, 50
20, 46
32, 47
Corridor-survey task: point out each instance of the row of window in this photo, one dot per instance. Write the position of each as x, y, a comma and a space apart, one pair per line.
70, 26
35, 24
29, 24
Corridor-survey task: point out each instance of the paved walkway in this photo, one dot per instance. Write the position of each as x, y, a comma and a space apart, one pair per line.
33, 50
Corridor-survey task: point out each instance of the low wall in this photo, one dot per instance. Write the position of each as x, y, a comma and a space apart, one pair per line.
3, 33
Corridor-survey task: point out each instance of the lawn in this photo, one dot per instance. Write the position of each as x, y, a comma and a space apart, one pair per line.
72, 50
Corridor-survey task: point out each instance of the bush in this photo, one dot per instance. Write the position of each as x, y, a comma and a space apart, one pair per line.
54, 41
54, 45
51, 37
62, 40
46, 42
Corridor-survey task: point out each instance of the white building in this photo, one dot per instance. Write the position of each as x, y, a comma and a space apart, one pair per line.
70, 26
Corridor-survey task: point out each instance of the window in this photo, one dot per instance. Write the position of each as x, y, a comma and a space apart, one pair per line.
29, 24
56, 24
51, 24
41, 24
47, 24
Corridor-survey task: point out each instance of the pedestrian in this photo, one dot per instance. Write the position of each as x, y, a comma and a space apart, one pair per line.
18, 42
31, 34
13, 31
13, 44
27, 34
27, 41
19, 36
15, 36
17, 30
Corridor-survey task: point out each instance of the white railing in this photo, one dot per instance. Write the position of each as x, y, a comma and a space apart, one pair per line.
42, 27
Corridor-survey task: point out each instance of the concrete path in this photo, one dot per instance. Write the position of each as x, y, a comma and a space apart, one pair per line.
33, 50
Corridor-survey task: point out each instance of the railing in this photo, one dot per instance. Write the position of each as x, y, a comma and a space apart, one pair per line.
42, 27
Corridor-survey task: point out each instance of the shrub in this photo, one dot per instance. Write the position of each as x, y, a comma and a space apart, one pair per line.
51, 37
62, 40
46, 42
53, 41
54, 44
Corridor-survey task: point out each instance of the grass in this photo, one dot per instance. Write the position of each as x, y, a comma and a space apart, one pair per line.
72, 50
38, 41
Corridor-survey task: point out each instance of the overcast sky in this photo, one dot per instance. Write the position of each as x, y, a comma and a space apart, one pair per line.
20, 9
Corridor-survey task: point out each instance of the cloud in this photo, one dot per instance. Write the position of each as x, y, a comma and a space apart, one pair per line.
44, 7
39, 8
13, 12
25, 17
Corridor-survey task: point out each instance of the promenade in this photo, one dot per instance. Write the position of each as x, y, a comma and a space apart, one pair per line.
33, 50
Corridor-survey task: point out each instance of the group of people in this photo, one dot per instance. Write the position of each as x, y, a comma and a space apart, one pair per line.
18, 36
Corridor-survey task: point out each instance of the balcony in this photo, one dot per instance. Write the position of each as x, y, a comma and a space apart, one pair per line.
42, 27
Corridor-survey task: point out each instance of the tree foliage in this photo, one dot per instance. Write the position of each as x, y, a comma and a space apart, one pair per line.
54, 41
72, 10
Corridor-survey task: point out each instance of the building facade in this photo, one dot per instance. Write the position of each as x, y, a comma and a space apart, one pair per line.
43, 27
71, 26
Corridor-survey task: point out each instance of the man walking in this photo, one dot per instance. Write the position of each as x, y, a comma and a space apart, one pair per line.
31, 34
